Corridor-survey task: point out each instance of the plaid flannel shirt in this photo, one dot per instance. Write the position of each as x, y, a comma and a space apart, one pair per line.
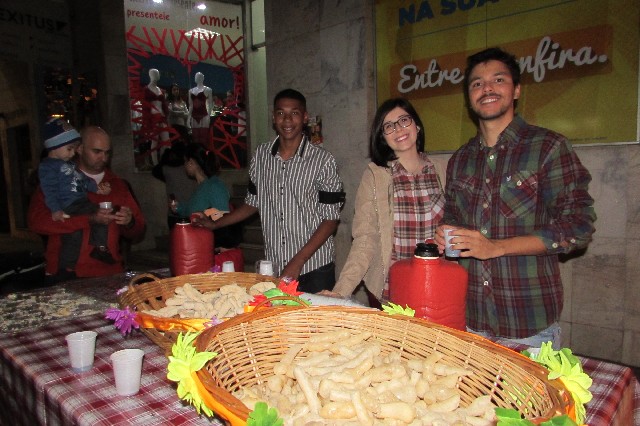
418, 207
530, 183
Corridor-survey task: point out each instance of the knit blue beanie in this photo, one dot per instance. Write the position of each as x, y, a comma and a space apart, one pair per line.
59, 133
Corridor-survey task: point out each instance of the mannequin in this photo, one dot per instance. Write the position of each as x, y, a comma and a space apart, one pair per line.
178, 113
200, 107
156, 115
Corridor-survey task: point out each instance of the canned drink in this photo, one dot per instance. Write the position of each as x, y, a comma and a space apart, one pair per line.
449, 251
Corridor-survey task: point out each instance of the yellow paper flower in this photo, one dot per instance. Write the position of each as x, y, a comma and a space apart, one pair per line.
392, 308
186, 360
566, 367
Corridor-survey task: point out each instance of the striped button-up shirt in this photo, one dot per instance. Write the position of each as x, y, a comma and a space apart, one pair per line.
530, 183
294, 197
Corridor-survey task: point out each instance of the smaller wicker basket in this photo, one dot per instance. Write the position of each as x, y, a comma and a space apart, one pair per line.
250, 345
147, 291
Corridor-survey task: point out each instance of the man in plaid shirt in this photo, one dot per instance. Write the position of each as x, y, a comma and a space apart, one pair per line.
517, 196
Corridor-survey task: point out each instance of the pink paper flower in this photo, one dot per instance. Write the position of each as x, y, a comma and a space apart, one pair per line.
124, 319
213, 321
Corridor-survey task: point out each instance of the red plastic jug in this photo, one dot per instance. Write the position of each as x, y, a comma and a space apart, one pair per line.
435, 287
191, 249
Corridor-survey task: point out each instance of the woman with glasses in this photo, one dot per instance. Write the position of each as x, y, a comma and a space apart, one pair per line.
399, 201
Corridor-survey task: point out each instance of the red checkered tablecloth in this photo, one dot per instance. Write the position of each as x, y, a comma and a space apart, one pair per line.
615, 389
616, 394
37, 385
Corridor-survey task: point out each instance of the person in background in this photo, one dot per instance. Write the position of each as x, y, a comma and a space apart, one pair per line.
211, 195
399, 201
127, 222
65, 192
516, 196
178, 113
295, 187
179, 187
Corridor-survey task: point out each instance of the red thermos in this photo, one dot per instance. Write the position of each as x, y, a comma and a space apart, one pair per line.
435, 287
191, 249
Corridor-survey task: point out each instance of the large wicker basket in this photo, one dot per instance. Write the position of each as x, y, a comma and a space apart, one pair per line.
249, 346
146, 292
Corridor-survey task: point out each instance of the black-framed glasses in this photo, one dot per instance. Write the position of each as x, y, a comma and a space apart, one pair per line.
390, 126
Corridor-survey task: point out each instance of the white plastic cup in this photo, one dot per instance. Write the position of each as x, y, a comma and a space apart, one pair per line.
82, 347
264, 267
127, 370
449, 251
106, 205
227, 266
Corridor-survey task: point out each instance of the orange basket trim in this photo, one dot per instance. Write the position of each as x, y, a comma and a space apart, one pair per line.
214, 405
168, 324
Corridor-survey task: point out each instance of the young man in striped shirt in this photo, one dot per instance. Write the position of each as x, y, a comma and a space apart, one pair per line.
517, 196
295, 187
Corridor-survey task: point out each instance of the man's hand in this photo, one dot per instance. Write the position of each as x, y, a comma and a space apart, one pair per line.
201, 220
474, 244
293, 268
320, 235
124, 216
438, 237
214, 213
102, 217
59, 216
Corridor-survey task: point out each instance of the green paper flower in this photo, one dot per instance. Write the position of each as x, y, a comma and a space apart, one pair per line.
566, 367
392, 308
185, 361
276, 292
263, 415
510, 417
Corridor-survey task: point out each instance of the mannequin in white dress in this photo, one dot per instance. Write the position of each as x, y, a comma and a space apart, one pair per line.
178, 113
200, 107
156, 115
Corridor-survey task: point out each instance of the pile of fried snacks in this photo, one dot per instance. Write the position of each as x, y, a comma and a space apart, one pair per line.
339, 378
225, 302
